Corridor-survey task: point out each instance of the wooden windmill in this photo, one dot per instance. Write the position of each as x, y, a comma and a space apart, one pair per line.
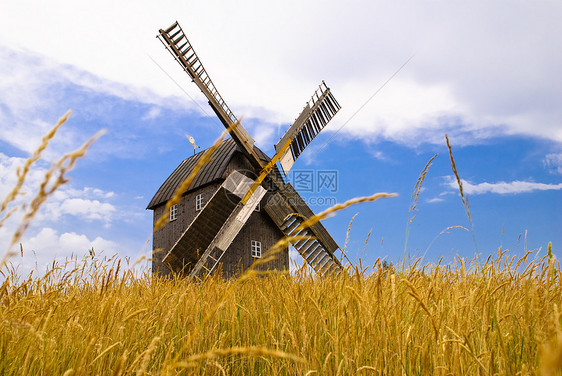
226, 210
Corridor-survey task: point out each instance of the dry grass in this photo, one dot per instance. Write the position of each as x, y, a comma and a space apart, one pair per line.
464, 198
22, 172
415, 196
469, 317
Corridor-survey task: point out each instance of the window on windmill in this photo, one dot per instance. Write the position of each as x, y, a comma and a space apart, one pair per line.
199, 201
257, 207
256, 248
173, 212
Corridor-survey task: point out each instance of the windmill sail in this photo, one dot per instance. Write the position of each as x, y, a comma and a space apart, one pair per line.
313, 243
237, 219
321, 108
179, 46
201, 246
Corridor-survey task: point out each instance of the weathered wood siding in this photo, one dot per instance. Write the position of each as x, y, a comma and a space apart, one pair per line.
165, 238
260, 228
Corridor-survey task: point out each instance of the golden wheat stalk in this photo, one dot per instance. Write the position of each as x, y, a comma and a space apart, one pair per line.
413, 207
22, 172
54, 178
347, 237
416, 295
418, 187
195, 360
461, 191
8, 215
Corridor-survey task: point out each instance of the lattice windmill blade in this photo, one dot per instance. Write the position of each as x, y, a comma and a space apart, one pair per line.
321, 108
179, 46
288, 210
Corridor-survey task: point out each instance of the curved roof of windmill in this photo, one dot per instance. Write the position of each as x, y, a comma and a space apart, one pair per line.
210, 172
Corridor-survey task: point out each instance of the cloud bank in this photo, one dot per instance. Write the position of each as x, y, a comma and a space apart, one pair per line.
501, 188
478, 70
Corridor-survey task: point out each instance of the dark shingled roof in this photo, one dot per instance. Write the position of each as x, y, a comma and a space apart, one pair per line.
209, 172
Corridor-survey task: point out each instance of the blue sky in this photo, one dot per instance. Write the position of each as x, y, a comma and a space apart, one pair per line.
485, 75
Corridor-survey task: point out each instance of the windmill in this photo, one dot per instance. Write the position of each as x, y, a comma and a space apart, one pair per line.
221, 205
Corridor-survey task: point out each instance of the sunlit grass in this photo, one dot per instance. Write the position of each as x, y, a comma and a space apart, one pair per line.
468, 317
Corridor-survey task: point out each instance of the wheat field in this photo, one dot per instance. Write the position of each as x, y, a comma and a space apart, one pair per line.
484, 317
104, 316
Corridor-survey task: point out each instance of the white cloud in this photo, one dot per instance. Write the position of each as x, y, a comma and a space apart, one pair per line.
502, 188
152, 114
88, 192
81, 203
88, 209
554, 162
50, 242
435, 199
478, 70
264, 136
377, 154
48, 245
26, 101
